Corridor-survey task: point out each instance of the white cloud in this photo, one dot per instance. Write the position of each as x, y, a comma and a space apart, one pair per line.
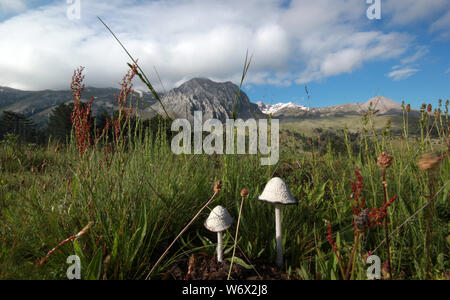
403, 73
407, 66
448, 71
421, 52
306, 41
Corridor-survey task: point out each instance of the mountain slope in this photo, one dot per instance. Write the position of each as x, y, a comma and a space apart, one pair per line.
214, 99
38, 105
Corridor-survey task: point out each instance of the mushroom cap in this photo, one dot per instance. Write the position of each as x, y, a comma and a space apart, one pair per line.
276, 191
219, 220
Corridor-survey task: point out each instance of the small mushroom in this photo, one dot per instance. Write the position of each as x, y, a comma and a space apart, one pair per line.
218, 221
277, 192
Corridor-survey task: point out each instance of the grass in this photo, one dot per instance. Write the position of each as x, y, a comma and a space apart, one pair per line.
138, 197
141, 196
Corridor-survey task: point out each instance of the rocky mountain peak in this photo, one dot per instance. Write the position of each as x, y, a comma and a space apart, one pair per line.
383, 105
214, 99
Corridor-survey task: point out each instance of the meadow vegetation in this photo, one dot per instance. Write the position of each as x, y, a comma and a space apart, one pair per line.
136, 195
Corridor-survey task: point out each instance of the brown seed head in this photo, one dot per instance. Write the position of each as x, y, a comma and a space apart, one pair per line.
429, 108
408, 108
85, 229
218, 187
244, 193
428, 161
362, 220
384, 160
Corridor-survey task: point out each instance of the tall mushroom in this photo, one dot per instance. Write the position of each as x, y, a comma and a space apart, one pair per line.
218, 221
277, 192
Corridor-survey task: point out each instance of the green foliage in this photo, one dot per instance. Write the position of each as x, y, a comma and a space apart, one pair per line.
142, 195
60, 125
19, 125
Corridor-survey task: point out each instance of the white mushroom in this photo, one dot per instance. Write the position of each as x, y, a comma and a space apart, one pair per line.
218, 221
277, 192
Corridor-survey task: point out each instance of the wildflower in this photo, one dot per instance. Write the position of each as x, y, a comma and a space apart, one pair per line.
330, 238
384, 160
357, 204
218, 187
361, 221
244, 193
408, 108
81, 114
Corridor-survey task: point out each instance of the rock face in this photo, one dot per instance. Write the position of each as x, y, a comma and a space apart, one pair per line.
214, 99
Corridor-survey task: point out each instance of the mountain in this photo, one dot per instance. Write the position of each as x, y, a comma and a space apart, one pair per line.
276, 108
214, 99
39, 105
381, 105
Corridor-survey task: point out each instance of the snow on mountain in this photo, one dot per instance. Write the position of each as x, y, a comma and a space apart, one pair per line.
274, 108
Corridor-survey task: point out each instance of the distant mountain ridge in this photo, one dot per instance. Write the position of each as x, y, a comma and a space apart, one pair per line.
38, 105
381, 105
214, 99
275, 108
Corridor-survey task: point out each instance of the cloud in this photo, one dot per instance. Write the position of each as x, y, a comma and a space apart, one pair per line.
407, 66
448, 71
403, 73
407, 12
421, 51
11, 7
442, 27
295, 43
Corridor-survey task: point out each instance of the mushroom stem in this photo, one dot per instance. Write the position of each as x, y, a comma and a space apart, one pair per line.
219, 247
279, 235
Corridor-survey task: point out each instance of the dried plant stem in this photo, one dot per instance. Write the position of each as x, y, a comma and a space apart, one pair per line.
386, 228
70, 239
430, 213
181, 233
236, 238
351, 260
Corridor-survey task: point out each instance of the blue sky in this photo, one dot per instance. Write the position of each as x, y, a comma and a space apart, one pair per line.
329, 45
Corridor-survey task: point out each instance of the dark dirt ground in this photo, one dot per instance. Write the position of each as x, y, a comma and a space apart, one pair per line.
204, 267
